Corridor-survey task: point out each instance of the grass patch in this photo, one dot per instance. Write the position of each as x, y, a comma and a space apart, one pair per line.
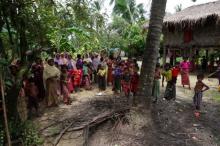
215, 95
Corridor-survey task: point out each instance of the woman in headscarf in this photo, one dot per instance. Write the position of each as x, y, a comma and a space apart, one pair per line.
110, 69
185, 68
51, 77
63, 60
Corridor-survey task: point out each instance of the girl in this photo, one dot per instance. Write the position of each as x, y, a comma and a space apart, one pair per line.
199, 89
126, 82
64, 84
102, 78
117, 79
77, 75
156, 84
86, 76
134, 80
170, 91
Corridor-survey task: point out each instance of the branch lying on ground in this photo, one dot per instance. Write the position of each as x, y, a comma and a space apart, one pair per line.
62, 133
101, 118
96, 121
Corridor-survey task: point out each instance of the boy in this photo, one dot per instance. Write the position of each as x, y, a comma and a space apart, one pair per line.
199, 89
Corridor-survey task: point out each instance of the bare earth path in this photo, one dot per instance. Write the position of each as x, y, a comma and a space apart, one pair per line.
174, 121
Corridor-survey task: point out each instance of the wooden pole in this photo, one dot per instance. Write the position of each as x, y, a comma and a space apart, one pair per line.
164, 56
4, 112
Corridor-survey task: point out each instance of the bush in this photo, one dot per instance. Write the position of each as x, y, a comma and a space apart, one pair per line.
21, 131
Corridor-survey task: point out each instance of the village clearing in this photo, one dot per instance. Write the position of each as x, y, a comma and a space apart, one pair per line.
109, 120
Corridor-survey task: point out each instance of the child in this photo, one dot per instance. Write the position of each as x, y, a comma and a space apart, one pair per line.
101, 77
170, 92
32, 92
156, 84
77, 75
86, 76
64, 84
199, 89
126, 82
175, 72
134, 80
117, 78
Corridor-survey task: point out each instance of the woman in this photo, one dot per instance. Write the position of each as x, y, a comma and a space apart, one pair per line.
185, 68
63, 60
51, 76
109, 76
64, 80
37, 70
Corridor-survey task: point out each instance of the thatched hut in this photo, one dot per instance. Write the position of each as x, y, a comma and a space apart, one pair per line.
193, 28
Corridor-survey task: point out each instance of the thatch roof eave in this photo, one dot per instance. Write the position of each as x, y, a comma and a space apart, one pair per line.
195, 15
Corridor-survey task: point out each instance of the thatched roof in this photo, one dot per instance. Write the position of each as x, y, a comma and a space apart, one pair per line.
195, 15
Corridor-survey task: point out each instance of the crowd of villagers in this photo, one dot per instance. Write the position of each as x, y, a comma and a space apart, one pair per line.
170, 74
54, 79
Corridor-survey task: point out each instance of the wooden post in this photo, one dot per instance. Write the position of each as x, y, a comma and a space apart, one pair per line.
4, 111
174, 56
164, 56
207, 54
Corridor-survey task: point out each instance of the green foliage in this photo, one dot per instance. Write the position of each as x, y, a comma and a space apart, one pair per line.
30, 135
2, 135
26, 132
128, 10
128, 37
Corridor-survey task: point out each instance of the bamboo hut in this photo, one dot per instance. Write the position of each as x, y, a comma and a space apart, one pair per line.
193, 28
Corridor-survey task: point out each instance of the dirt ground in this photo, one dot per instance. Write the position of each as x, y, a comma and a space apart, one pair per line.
173, 121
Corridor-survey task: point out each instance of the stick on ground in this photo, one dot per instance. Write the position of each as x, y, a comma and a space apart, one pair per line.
62, 133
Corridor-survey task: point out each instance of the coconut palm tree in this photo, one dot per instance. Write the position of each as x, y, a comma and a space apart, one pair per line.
128, 10
151, 50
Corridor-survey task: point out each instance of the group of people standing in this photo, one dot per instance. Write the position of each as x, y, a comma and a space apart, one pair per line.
170, 73
57, 77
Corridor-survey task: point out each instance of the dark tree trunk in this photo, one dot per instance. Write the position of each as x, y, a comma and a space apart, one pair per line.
8, 27
151, 51
23, 40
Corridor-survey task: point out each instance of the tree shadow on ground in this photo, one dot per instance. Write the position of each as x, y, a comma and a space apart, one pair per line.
176, 124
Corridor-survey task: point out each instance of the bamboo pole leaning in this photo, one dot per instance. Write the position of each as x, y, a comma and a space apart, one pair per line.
4, 111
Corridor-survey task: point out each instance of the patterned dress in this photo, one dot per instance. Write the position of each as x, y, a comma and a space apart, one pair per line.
185, 67
126, 84
64, 87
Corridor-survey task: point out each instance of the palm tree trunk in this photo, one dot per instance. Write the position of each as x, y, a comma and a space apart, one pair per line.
151, 51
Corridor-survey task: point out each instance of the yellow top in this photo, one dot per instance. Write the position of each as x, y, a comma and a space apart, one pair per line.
102, 72
167, 75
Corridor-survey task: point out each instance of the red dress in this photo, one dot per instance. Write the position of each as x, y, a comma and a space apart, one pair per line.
77, 77
70, 81
126, 84
134, 82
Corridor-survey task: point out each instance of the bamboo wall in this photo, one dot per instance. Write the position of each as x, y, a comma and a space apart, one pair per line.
205, 37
